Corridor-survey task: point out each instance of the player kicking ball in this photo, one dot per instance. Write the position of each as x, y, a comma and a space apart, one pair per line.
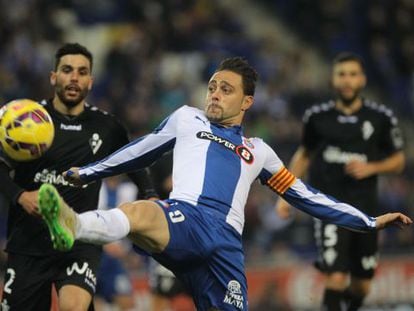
197, 232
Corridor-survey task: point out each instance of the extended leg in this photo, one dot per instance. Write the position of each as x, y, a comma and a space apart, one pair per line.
143, 221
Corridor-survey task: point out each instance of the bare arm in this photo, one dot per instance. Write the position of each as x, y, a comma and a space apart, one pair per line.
393, 164
298, 166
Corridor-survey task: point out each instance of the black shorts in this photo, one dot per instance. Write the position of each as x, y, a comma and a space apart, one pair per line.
342, 250
28, 279
163, 282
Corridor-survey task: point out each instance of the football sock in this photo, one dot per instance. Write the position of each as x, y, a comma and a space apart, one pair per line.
333, 300
102, 226
354, 301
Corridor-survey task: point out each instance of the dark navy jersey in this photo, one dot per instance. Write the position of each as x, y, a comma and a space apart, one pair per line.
334, 139
79, 140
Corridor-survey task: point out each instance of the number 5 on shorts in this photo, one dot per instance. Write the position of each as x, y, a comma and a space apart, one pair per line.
176, 216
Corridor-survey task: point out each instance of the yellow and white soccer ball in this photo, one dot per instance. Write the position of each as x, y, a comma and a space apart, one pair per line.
26, 129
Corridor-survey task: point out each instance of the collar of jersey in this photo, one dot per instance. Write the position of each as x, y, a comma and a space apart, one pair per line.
236, 129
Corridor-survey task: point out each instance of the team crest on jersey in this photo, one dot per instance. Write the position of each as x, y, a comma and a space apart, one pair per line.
234, 295
367, 130
248, 143
95, 142
244, 153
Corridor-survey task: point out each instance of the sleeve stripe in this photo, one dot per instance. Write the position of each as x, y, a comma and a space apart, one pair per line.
281, 181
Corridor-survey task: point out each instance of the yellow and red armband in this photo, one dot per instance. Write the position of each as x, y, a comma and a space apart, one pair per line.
281, 181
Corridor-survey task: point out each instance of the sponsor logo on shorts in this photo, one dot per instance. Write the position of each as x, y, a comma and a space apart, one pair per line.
369, 262
242, 151
90, 278
4, 306
234, 295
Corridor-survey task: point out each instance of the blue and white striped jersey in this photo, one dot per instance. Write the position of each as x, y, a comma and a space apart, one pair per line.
214, 167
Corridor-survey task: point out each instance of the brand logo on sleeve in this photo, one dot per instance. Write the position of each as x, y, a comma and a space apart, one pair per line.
242, 151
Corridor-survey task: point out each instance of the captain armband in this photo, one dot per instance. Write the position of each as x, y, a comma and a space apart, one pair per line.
281, 181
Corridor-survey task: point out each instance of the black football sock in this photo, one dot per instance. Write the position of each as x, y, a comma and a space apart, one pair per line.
354, 301
333, 300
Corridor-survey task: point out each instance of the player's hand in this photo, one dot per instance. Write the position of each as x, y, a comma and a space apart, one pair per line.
283, 209
359, 169
396, 219
28, 200
72, 176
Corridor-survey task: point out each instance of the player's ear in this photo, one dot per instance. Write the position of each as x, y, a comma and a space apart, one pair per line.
247, 102
364, 80
90, 84
52, 78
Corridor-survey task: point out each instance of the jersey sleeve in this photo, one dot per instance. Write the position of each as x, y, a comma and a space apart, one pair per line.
120, 136
141, 178
392, 139
327, 208
311, 201
9, 188
310, 137
137, 154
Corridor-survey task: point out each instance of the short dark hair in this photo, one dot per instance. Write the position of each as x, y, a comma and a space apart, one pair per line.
240, 66
348, 56
71, 49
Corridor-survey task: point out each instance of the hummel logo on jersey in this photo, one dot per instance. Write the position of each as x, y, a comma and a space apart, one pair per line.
95, 142
240, 150
347, 119
234, 295
71, 127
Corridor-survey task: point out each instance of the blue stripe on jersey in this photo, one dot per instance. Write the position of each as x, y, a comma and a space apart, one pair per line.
324, 212
160, 126
264, 176
134, 164
222, 172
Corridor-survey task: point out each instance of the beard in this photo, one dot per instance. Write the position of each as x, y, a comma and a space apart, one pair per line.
214, 113
348, 100
72, 101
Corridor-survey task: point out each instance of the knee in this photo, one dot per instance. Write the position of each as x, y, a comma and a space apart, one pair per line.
139, 213
72, 306
360, 287
337, 281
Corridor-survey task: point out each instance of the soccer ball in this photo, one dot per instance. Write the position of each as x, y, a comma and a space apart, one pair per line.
26, 130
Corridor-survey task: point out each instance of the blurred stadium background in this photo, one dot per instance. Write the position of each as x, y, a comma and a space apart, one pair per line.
154, 56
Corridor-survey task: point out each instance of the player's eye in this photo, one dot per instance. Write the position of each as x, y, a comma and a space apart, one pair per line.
66, 69
226, 89
211, 88
84, 72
